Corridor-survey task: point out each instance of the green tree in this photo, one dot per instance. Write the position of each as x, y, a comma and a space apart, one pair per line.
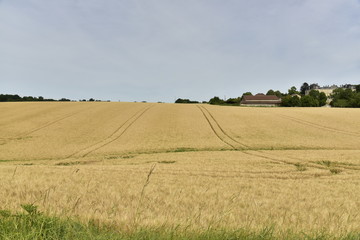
314, 94
290, 101
293, 90
304, 87
233, 101
357, 88
270, 92
278, 94
355, 101
216, 101
309, 101
322, 99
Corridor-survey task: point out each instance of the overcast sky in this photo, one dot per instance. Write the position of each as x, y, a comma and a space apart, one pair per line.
160, 50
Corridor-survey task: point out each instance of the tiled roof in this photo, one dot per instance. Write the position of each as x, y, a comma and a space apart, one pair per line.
261, 99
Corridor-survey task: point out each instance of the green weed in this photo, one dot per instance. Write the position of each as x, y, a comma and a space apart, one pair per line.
300, 167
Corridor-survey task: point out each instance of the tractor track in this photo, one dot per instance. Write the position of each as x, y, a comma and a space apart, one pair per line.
23, 135
49, 124
318, 126
219, 131
230, 141
113, 136
214, 131
222, 130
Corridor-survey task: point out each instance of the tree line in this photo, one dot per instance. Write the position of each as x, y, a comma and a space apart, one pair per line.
346, 97
306, 96
17, 98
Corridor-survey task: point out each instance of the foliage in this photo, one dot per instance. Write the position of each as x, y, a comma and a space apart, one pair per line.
247, 93
345, 98
322, 99
17, 98
270, 92
309, 101
314, 99
233, 101
304, 87
216, 101
292, 91
180, 100
276, 93
290, 101
230, 101
357, 88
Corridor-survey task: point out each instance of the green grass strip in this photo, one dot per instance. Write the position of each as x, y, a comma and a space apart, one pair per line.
33, 225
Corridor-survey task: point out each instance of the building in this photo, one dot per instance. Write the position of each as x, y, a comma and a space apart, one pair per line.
328, 89
260, 100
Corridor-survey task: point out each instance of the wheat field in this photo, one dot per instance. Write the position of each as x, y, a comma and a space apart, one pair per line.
192, 166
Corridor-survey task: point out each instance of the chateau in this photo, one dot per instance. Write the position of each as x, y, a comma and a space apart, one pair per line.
328, 89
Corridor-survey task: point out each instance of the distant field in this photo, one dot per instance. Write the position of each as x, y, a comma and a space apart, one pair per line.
292, 168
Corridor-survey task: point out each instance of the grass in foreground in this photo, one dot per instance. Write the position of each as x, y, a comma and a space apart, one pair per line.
34, 225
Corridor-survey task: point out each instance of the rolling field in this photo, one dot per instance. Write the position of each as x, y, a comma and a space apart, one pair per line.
193, 166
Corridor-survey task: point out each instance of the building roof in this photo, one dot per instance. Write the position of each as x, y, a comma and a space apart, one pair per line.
260, 99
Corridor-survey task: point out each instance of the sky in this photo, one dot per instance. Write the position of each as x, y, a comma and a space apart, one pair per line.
161, 50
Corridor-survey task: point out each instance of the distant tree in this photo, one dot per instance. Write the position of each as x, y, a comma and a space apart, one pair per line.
270, 92
180, 100
292, 91
355, 102
10, 98
216, 101
342, 103
91, 100
64, 100
28, 99
344, 98
309, 101
357, 87
319, 97
314, 93
322, 99
41, 98
303, 88
278, 94
233, 101
290, 101
248, 93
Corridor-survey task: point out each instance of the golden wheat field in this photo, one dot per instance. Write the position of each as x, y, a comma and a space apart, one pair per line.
197, 166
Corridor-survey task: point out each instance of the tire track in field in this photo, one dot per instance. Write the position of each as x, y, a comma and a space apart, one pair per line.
217, 130
318, 126
222, 130
113, 136
227, 139
42, 126
50, 123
